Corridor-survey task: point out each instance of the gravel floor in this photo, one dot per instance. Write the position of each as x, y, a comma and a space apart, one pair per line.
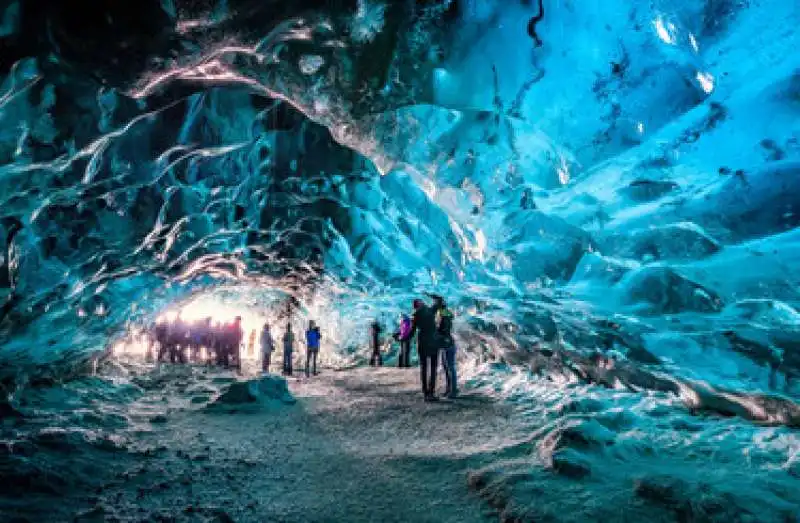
359, 445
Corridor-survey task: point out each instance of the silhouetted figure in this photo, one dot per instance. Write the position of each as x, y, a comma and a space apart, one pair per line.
237, 335
288, 349
424, 325
375, 330
403, 335
178, 340
447, 345
217, 341
231, 341
197, 338
149, 357
313, 338
267, 347
209, 336
221, 342
161, 335
251, 343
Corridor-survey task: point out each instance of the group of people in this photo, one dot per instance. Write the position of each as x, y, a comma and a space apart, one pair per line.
267, 342
180, 341
433, 327
177, 338
431, 324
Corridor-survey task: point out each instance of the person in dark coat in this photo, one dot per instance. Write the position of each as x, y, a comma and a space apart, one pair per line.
375, 330
267, 347
447, 344
288, 350
423, 324
178, 334
161, 336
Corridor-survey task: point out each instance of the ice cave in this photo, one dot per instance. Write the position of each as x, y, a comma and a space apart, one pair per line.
581, 215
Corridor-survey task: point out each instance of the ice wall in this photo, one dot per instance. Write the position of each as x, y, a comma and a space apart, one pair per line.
611, 182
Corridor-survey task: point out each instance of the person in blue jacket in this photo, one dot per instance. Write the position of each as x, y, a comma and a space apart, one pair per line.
313, 338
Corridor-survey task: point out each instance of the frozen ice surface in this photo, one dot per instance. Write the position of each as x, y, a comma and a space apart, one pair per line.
606, 192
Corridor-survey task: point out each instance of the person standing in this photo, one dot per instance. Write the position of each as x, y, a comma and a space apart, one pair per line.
217, 341
236, 334
423, 323
178, 340
208, 337
447, 345
288, 349
161, 336
267, 347
375, 338
404, 337
313, 338
196, 337
251, 343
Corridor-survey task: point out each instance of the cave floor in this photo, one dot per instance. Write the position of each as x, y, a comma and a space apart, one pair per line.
358, 445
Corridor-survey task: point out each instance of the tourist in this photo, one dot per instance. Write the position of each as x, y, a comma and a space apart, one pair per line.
403, 335
424, 325
209, 337
251, 343
447, 345
178, 339
376, 359
288, 349
161, 335
218, 339
313, 337
232, 341
267, 347
197, 337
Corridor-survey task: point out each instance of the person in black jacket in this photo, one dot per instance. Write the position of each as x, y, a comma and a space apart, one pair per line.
423, 323
447, 344
376, 358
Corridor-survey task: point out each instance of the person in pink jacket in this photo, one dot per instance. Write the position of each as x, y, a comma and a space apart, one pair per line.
404, 337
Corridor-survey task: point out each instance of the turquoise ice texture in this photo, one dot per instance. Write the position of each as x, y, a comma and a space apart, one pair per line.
613, 213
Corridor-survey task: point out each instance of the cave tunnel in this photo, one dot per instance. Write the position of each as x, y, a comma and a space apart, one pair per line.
238, 238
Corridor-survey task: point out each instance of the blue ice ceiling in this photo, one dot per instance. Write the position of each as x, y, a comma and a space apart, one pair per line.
611, 180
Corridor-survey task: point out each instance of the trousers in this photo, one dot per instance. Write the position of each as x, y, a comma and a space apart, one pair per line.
376, 358
405, 354
287, 362
311, 359
427, 370
450, 374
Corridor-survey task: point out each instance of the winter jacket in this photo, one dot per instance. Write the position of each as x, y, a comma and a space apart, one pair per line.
424, 325
288, 342
444, 328
376, 334
312, 339
405, 328
267, 343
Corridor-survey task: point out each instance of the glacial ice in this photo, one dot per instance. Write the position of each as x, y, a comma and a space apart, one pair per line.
612, 213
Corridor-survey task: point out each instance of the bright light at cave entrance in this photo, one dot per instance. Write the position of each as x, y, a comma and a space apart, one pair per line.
219, 312
197, 310
208, 307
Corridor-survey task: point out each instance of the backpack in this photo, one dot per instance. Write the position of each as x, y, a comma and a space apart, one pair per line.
444, 329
